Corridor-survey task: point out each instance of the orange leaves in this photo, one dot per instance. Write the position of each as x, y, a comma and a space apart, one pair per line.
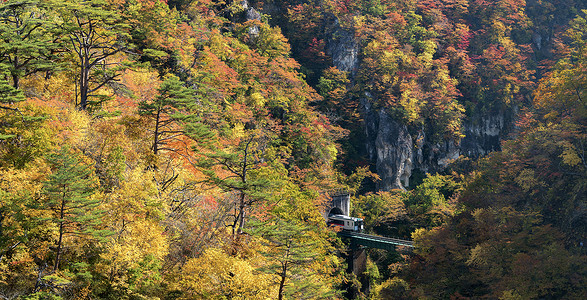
396, 19
142, 85
342, 7
305, 16
215, 72
508, 11
505, 74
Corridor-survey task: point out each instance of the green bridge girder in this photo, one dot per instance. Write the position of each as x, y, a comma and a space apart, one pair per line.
374, 241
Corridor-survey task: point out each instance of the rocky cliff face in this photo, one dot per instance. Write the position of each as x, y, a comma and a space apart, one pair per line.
483, 135
397, 152
344, 49
390, 146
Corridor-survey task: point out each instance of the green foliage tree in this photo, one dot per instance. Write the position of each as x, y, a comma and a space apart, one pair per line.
432, 202
9, 95
94, 34
384, 213
70, 191
168, 108
291, 248
28, 44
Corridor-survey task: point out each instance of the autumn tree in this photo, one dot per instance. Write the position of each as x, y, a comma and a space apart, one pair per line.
23, 235
134, 254
562, 94
195, 221
235, 278
22, 132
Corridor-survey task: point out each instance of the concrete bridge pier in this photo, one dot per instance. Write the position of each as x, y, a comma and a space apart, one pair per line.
357, 264
357, 259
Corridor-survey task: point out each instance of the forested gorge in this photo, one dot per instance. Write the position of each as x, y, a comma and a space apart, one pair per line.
161, 149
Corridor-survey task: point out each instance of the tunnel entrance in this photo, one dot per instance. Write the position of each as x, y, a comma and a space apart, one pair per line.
335, 211
338, 204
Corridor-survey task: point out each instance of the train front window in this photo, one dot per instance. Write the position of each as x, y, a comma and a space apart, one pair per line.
336, 222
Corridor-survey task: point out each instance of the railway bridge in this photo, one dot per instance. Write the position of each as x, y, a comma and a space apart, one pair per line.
358, 242
340, 204
374, 241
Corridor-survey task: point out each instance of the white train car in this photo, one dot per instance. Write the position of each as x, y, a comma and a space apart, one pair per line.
346, 223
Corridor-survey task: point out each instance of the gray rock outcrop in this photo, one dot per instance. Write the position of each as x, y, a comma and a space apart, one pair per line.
344, 49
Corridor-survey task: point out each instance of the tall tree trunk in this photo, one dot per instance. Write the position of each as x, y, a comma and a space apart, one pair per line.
156, 139
15, 78
61, 231
58, 251
242, 207
15, 81
242, 204
282, 281
84, 81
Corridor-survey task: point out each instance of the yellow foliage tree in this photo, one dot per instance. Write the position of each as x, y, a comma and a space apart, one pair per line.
134, 255
217, 275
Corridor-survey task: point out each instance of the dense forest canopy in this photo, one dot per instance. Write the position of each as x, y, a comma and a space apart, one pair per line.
186, 149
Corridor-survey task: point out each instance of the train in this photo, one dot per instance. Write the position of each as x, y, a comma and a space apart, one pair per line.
345, 222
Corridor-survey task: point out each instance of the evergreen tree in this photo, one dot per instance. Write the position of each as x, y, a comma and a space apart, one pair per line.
27, 42
70, 192
167, 109
293, 249
8, 96
94, 34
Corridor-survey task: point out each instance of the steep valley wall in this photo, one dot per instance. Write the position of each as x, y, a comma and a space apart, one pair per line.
396, 150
